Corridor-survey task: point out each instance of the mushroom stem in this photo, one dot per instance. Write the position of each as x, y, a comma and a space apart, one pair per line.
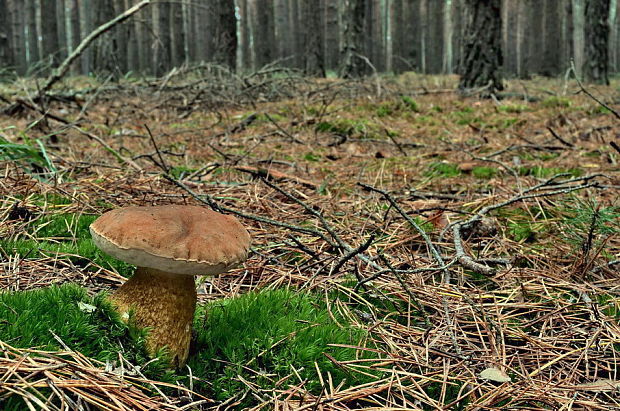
164, 302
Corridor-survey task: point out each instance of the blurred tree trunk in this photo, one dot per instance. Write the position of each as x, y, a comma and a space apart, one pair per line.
223, 33
353, 39
332, 34
161, 55
613, 36
131, 33
285, 37
61, 32
105, 48
448, 32
388, 38
264, 34
32, 35
177, 41
423, 21
578, 14
49, 35
244, 40
17, 41
596, 64
313, 63
6, 54
481, 62
523, 39
435, 43
552, 36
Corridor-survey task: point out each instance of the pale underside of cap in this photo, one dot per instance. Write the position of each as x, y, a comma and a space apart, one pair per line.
174, 238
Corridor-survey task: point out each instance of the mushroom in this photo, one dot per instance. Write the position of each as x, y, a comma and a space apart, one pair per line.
169, 245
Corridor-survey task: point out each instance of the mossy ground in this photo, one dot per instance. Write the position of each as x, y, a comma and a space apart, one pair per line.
257, 337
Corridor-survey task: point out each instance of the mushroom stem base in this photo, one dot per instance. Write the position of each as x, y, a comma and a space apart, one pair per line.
164, 302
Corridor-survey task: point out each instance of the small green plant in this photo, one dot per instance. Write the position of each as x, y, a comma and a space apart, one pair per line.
513, 108
484, 173
31, 156
442, 169
410, 103
554, 101
347, 127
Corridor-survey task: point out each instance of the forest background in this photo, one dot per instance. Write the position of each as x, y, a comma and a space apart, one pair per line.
538, 36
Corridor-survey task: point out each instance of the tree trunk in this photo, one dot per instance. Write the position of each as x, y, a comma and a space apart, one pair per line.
613, 36
332, 34
177, 50
481, 61
32, 36
578, 15
353, 65
161, 55
447, 37
49, 35
312, 39
264, 33
223, 33
596, 63
6, 54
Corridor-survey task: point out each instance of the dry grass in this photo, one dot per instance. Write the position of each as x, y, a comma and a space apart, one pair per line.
547, 318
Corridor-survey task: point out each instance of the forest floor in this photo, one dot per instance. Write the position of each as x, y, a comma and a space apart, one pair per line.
475, 242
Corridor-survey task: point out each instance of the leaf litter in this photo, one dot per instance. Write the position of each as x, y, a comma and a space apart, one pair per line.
452, 229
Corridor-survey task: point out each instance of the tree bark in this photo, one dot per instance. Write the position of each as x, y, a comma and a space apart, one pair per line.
32, 37
49, 36
481, 61
353, 65
161, 56
6, 53
265, 34
596, 65
223, 33
332, 34
447, 37
577, 9
313, 63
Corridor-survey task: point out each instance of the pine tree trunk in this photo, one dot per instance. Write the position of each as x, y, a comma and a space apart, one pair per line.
162, 61
596, 64
49, 36
265, 42
223, 33
352, 51
177, 51
481, 61
577, 9
312, 39
332, 34
6, 54
32, 37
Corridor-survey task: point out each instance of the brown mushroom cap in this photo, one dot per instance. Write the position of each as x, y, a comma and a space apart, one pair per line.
174, 238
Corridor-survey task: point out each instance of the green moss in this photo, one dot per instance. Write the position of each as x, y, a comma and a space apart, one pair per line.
348, 127
551, 102
513, 108
484, 173
270, 332
65, 234
259, 336
442, 169
179, 172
